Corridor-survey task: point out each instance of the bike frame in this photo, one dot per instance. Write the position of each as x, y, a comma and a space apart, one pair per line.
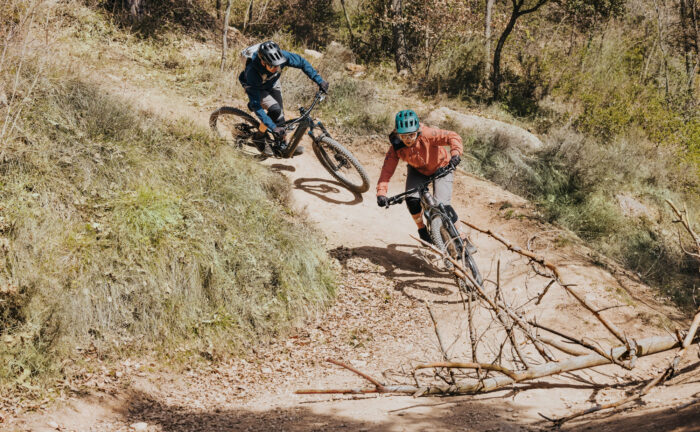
305, 125
431, 207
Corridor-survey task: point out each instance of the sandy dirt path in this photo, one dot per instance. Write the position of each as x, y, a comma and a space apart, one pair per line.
380, 324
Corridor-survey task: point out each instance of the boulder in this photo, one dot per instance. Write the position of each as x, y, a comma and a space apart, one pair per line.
313, 53
516, 136
340, 53
632, 207
354, 68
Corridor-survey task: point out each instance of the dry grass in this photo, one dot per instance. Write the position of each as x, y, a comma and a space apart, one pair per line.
124, 232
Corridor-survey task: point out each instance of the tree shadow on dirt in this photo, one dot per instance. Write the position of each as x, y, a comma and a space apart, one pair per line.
457, 414
412, 274
329, 191
684, 419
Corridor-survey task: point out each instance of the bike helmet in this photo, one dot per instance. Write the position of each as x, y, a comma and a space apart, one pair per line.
271, 54
406, 122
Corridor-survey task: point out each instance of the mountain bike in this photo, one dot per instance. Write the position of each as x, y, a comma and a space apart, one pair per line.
439, 220
338, 161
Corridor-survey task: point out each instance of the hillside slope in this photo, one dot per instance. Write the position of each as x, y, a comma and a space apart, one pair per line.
378, 323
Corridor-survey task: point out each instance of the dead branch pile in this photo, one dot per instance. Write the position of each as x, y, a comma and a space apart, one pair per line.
508, 344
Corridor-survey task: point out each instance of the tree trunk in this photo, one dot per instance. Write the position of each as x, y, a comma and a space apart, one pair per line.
135, 6
347, 21
487, 39
517, 12
224, 40
248, 16
400, 50
689, 31
496, 73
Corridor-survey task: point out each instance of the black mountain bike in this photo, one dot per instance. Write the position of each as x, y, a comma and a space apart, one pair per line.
340, 163
440, 225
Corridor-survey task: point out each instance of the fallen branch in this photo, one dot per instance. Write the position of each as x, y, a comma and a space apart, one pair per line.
645, 347
667, 373
439, 338
683, 220
477, 366
557, 276
581, 342
460, 271
377, 384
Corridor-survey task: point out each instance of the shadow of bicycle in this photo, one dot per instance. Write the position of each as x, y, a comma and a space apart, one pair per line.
413, 275
279, 168
328, 190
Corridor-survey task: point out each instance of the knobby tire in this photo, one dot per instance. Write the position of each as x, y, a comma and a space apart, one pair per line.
243, 115
442, 240
328, 160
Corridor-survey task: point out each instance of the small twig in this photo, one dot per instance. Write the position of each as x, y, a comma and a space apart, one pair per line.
377, 384
549, 285
459, 271
684, 220
557, 276
439, 338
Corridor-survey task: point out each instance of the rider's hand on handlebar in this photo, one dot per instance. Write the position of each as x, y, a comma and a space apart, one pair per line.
455, 160
382, 201
323, 86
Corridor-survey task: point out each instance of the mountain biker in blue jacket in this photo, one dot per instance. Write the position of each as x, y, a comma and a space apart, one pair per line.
260, 79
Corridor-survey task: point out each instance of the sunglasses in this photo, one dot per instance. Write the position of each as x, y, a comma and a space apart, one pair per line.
269, 68
408, 136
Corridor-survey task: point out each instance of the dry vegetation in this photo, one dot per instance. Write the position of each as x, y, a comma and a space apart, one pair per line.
123, 232
119, 230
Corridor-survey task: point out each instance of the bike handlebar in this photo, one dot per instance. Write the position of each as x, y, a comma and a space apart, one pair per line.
441, 172
319, 97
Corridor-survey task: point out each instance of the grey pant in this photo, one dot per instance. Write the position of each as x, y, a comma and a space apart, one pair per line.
271, 100
442, 187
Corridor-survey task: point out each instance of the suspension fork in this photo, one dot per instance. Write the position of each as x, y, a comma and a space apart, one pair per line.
451, 229
318, 124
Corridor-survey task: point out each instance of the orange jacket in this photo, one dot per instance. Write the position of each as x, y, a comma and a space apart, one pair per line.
426, 155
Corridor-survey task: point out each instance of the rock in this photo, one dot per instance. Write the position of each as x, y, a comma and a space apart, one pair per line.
313, 53
340, 52
633, 207
354, 68
514, 136
266, 370
53, 425
140, 426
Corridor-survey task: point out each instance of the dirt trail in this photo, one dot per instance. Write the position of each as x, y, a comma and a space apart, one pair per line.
379, 323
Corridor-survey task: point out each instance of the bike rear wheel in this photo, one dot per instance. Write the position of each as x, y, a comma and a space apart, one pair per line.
445, 242
341, 164
244, 129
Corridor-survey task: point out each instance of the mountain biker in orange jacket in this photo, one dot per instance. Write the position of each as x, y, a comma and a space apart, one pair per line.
424, 150
260, 79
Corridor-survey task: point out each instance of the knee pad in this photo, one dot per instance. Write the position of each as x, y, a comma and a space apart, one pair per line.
413, 205
452, 213
275, 113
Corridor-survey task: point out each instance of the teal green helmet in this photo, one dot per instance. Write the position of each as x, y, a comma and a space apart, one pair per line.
406, 121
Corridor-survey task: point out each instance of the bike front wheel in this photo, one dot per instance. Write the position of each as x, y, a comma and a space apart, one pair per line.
454, 248
341, 164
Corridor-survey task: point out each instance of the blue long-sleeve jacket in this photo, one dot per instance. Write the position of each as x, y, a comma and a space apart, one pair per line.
256, 78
